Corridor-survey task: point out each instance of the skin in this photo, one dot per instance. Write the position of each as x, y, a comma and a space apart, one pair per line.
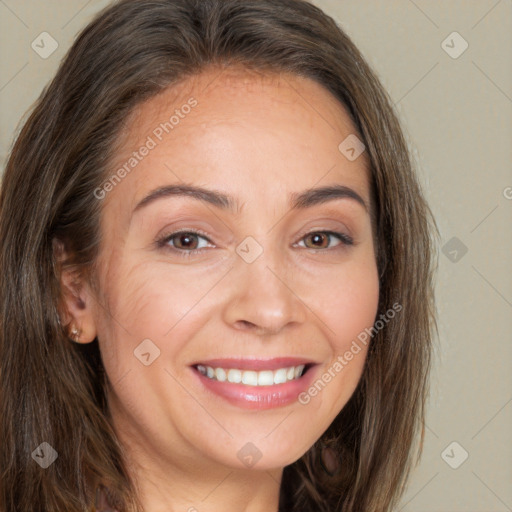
259, 138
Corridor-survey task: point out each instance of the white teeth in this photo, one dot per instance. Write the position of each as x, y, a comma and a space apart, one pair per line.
235, 376
220, 374
252, 378
265, 378
280, 376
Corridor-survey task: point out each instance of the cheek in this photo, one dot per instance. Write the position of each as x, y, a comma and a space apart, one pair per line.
146, 301
354, 307
347, 300
348, 311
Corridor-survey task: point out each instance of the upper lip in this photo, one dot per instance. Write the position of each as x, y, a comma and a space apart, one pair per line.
255, 364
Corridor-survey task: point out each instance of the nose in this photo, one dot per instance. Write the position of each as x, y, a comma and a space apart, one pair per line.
262, 298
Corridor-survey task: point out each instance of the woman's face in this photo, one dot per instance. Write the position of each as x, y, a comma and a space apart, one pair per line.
271, 287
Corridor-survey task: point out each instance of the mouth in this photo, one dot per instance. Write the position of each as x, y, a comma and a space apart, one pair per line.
265, 377
255, 383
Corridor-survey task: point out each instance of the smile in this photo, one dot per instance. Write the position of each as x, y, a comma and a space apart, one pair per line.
250, 383
250, 377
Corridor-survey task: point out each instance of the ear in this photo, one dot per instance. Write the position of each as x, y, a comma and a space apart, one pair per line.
77, 304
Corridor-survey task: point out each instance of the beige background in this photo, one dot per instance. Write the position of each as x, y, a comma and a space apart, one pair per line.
457, 114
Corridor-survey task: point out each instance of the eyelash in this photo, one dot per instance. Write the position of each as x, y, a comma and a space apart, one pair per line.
163, 242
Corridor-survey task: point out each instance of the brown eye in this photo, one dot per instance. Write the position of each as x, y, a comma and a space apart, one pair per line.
318, 240
184, 240
321, 239
184, 243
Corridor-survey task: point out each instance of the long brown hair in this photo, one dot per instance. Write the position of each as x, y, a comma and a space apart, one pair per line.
52, 390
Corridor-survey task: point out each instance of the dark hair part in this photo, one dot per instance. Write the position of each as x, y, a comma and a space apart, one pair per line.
52, 390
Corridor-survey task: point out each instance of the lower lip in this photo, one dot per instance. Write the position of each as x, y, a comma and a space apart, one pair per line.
258, 397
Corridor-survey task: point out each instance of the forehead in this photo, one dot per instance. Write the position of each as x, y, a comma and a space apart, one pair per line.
247, 130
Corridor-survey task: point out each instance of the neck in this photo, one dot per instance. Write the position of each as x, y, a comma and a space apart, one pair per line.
235, 490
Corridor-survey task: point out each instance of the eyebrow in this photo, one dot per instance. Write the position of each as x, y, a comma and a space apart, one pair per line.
297, 200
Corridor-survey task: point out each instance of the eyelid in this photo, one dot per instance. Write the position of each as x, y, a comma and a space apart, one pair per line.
162, 242
164, 239
343, 237
342, 232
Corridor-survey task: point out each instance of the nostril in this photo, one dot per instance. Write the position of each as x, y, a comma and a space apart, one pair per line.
245, 323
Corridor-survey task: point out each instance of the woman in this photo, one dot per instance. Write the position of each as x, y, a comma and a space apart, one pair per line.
217, 285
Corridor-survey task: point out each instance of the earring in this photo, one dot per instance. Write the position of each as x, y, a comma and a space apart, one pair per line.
75, 334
